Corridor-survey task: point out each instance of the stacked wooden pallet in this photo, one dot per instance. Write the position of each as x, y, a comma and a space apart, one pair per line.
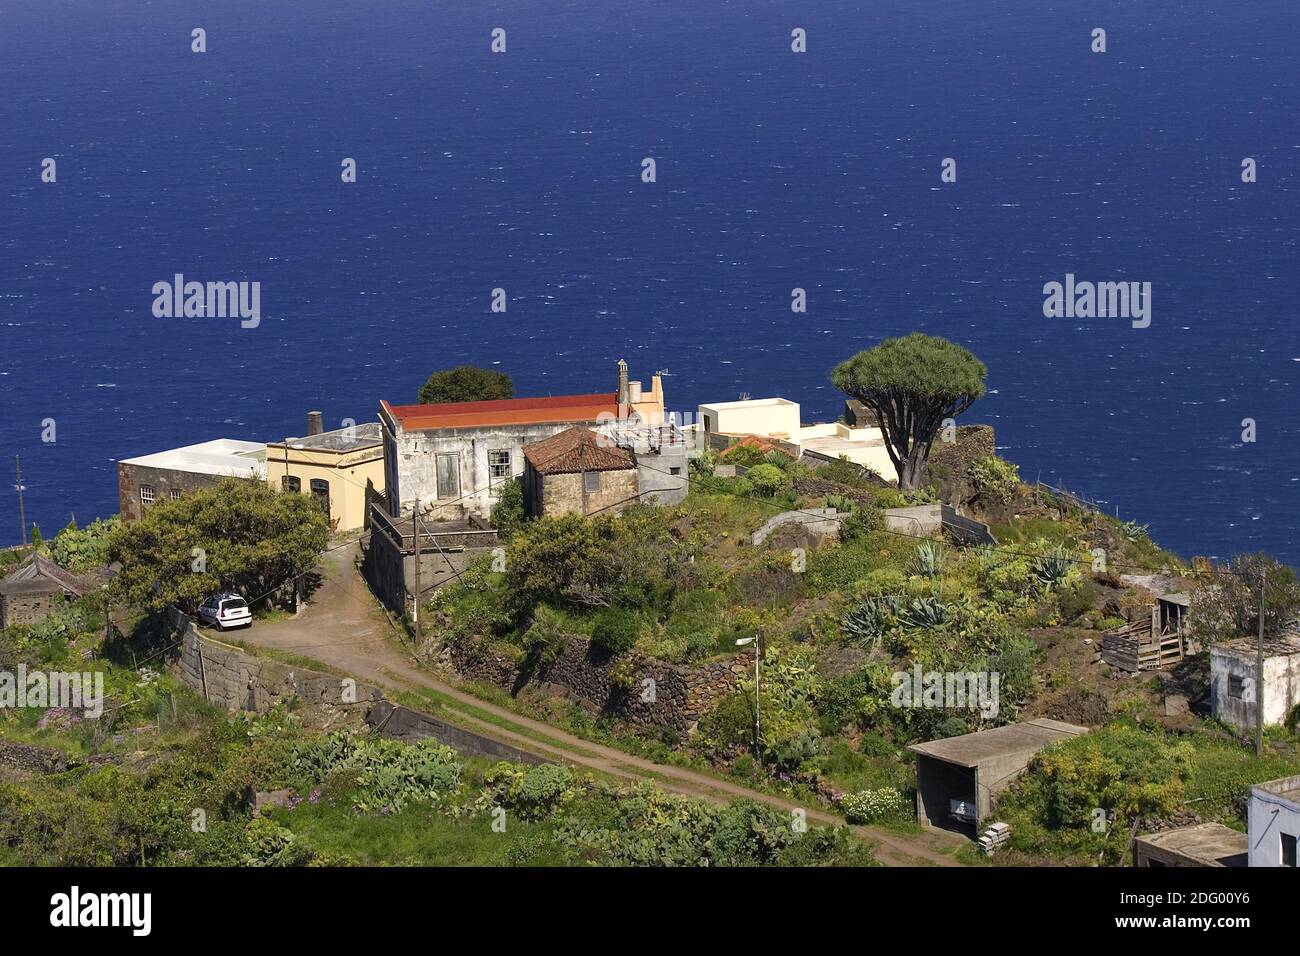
994, 837
1121, 647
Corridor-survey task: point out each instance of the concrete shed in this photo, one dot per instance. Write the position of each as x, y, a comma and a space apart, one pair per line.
958, 777
1233, 694
1205, 844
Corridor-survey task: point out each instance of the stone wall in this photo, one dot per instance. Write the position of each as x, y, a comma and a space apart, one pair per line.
32, 758
163, 481
823, 487
816, 521
236, 680
919, 520
240, 681
20, 608
565, 494
950, 462
405, 724
658, 695
389, 569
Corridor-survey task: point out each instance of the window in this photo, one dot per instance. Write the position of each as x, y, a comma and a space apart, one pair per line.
1236, 687
499, 463
591, 481
174, 494
448, 474
674, 471
1288, 849
290, 483
321, 489
147, 494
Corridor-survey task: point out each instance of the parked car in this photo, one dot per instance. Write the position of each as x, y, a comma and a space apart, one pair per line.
225, 610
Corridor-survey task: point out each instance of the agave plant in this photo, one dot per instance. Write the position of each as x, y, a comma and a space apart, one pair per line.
1132, 531
871, 618
1051, 567
926, 611
928, 560
840, 503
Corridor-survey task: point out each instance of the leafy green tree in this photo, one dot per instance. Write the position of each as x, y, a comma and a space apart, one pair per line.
466, 383
1226, 606
239, 535
912, 384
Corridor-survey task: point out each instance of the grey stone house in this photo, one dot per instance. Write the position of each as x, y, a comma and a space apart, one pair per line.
453, 458
35, 588
577, 471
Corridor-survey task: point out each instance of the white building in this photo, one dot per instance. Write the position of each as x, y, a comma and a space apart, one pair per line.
779, 419
1273, 822
764, 417
169, 474
1233, 693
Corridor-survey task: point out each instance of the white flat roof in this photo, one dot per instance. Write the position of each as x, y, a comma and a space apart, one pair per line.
227, 457
749, 403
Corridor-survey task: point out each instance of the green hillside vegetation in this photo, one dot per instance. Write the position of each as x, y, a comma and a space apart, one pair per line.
683, 584
159, 754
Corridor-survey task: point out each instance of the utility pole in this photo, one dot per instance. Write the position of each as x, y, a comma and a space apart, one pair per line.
415, 536
1259, 668
758, 730
22, 513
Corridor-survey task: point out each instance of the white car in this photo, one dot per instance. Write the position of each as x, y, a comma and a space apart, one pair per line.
225, 610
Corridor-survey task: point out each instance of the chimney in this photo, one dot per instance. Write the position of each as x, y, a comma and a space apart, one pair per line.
315, 423
622, 381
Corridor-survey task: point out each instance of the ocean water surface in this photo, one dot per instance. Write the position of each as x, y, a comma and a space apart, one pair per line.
775, 170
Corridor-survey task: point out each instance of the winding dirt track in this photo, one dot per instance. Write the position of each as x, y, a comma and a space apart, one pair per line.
345, 630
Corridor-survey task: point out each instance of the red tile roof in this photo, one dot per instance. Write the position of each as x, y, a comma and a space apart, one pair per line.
574, 450
750, 441
506, 411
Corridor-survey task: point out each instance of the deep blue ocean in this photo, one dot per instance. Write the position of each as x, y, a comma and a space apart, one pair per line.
775, 170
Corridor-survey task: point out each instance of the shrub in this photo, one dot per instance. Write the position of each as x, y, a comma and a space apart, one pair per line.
508, 512
791, 753
728, 723
845, 472
870, 806
544, 638
994, 478
84, 549
861, 522
532, 793
746, 456
766, 479
615, 631
841, 503
1121, 769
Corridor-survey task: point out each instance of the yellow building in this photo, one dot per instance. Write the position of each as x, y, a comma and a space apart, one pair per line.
343, 469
